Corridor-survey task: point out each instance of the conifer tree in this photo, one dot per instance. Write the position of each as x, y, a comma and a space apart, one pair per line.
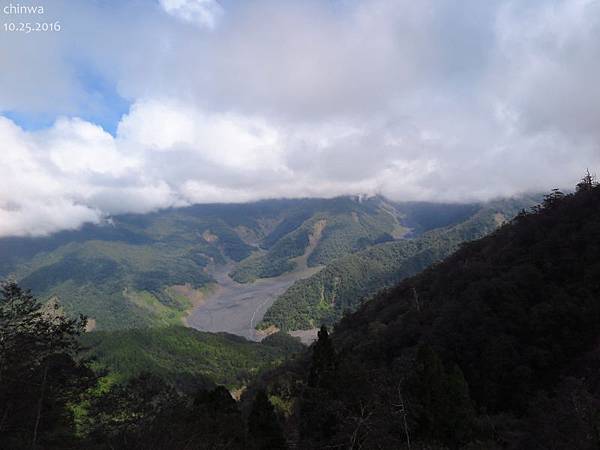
587, 183
323, 361
263, 427
39, 376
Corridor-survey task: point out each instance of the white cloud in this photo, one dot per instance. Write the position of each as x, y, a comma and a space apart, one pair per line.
78, 147
415, 100
33, 200
229, 140
204, 13
158, 125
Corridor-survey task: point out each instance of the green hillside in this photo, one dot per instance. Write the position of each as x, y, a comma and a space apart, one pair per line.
185, 357
121, 274
117, 284
142, 269
348, 225
496, 347
139, 270
343, 284
332, 230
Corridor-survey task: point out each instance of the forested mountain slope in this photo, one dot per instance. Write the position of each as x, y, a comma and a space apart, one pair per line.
343, 284
149, 269
348, 226
495, 347
187, 358
129, 389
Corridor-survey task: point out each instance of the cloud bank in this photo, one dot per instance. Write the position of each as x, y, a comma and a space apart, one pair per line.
228, 101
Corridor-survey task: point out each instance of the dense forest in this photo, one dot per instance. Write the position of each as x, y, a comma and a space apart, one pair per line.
496, 347
138, 270
326, 235
54, 396
121, 273
347, 281
184, 357
347, 229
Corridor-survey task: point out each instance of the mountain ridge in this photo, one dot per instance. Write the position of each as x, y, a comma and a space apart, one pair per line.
339, 287
142, 256
495, 347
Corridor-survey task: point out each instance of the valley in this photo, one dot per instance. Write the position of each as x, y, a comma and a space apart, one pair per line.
237, 308
288, 265
227, 262
397, 309
300, 225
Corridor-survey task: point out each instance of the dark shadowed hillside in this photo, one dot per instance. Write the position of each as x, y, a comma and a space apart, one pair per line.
495, 347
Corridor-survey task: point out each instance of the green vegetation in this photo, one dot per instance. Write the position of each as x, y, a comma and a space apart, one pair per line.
121, 273
286, 226
135, 389
343, 284
263, 424
421, 217
344, 234
146, 414
495, 347
339, 227
184, 357
39, 374
117, 284
342, 226
276, 262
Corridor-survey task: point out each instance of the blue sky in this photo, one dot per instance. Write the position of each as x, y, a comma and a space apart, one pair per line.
106, 110
108, 106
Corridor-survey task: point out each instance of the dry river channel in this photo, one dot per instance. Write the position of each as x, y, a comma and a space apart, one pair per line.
236, 308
